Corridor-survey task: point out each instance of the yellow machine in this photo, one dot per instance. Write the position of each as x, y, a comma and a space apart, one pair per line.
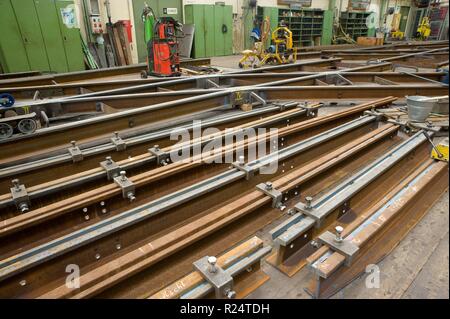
424, 29
281, 51
440, 152
397, 35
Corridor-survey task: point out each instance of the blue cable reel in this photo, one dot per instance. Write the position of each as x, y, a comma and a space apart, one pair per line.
6, 100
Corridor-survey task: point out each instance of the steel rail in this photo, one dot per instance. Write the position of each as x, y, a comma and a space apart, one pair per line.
37, 255
144, 159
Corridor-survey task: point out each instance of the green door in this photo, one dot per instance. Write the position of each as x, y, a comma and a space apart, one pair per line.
195, 15
219, 35
71, 39
228, 35
162, 9
32, 38
404, 12
208, 30
12, 50
54, 45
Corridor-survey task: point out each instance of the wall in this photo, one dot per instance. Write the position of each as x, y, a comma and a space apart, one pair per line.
120, 10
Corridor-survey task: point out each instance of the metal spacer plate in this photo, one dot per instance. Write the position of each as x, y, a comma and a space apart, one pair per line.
111, 168
249, 172
126, 185
274, 193
76, 154
220, 280
160, 155
346, 247
119, 143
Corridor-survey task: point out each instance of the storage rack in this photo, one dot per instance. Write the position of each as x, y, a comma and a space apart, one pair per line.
354, 23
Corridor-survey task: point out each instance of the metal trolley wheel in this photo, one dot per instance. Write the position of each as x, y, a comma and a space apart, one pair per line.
27, 126
6, 131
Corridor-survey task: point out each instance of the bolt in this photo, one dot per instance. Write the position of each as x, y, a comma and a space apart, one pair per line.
116, 135
102, 204
23, 283
339, 231
16, 184
74, 144
230, 294
118, 246
109, 160
241, 160
212, 264
156, 147
123, 175
23, 207
131, 197
85, 210
309, 200
104, 211
86, 217
269, 186
97, 256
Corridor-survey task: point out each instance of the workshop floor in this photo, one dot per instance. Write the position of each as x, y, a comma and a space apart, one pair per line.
417, 268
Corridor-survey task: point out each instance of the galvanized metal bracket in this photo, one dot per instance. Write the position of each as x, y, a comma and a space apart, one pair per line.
245, 97
344, 247
75, 153
20, 196
111, 168
127, 186
216, 276
249, 171
268, 189
162, 158
118, 142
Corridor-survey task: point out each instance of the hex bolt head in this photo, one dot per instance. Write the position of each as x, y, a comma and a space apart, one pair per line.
97, 256
123, 175
109, 160
269, 186
309, 200
16, 184
23, 283
74, 144
241, 160
23, 207
212, 264
116, 135
156, 147
118, 246
131, 197
230, 294
339, 230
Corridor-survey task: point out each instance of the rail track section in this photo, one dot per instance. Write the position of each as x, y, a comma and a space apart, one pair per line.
165, 215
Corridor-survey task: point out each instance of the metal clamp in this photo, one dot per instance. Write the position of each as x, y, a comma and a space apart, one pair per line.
162, 158
75, 152
216, 276
20, 196
111, 168
127, 186
267, 188
240, 165
118, 142
340, 245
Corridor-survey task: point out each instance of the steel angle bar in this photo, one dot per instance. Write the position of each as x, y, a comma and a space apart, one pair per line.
309, 143
233, 270
45, 161
320, 209
52, 249
144, 160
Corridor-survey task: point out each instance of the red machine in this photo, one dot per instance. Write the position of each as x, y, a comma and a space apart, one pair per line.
164, 59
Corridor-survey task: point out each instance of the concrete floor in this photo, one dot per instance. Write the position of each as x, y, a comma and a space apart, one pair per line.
417, 268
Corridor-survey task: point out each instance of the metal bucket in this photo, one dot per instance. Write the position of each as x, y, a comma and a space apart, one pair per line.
441, 107
418, 111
